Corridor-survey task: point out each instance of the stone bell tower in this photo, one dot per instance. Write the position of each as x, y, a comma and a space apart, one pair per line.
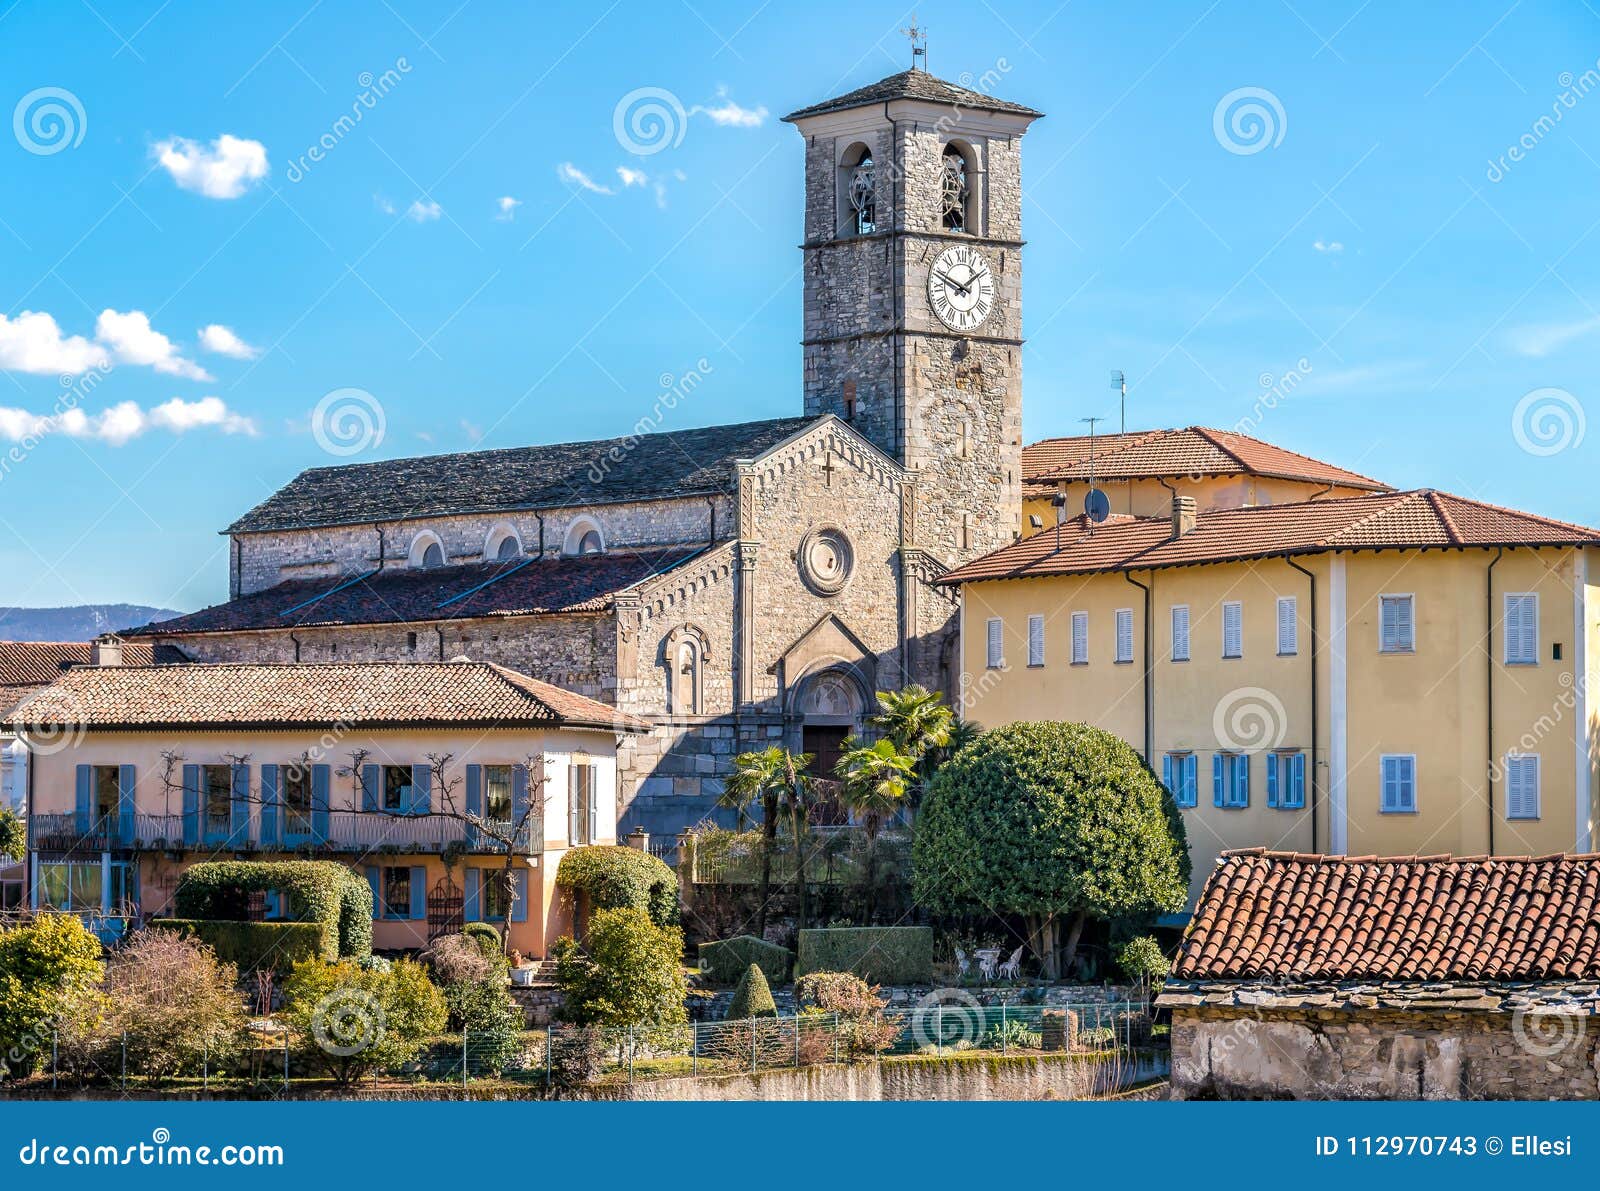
913, 293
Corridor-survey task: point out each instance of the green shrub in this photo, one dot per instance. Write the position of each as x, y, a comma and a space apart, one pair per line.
878, 954
1141, 961
485, 936
1013, 1033
617, 878
172, 1005
50, 973
724, 962
316, 891
352, 1021
13, 834
253, 946
853, 1007
753, 997
628, 972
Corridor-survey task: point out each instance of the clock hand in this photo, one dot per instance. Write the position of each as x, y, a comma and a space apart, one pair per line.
949, 280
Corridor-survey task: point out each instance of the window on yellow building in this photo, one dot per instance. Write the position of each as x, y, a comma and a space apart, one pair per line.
1035, 640
1230, 779
1397, 631
1080, 638
1522, 786
1180, 632
1233, 629
1179, 774
1399, 780
1522, 629
1288, 626
1286, 780
996, 640
1124, 634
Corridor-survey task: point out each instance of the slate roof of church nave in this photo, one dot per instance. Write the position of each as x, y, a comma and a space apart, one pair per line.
668, 464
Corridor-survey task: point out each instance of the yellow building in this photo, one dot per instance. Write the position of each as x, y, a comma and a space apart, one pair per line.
1140, 472
392, 768
1394, 673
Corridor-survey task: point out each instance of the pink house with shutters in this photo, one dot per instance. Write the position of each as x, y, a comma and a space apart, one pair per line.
427, 778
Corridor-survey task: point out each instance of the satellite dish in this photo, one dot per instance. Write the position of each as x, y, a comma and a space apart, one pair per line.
1096, 505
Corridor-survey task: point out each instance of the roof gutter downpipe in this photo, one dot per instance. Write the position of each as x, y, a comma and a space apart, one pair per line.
1315, 801
1149, 665
1488, 686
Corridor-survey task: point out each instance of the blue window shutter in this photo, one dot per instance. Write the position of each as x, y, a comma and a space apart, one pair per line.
321, 779
1299, 779
269, 804
421, 790
1216, 779
1191, 780
593, 778
419, 892
519, 803
1241, 780
471, 902
519, 906
239, 807
377, 898
370, 779
85, 799
1272, 778
573, 794
125, 803
474, 800
191, 804
1166, 774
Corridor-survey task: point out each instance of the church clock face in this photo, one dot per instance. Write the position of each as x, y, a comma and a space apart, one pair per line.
961, 288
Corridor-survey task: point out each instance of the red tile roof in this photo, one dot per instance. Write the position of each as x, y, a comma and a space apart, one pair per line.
390, 694
1282, 916
530, 587
36, 663
1382, 520
1191, 451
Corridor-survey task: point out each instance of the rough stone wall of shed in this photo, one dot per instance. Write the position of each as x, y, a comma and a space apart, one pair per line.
1266, 1054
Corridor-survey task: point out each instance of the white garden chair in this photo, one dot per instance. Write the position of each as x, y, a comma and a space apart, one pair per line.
1012, 968
963, 964
987, 960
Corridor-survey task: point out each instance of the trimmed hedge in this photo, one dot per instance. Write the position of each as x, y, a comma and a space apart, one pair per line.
878, 954
752, 998
320, 892
620, 878
252, 945
725, 960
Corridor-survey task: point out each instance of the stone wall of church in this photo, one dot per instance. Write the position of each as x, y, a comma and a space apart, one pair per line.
267, 559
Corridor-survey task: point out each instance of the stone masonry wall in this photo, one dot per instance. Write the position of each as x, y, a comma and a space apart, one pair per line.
1235, 1054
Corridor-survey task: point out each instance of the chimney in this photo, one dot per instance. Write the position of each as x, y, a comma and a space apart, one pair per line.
1183, 515
106, 650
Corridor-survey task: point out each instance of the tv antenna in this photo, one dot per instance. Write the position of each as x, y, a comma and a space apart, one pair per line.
1096, 505
919, 42
1119, 382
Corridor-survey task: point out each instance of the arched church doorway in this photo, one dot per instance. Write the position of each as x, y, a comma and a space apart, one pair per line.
830, 708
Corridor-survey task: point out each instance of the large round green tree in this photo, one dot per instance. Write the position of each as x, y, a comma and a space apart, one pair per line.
1057, 822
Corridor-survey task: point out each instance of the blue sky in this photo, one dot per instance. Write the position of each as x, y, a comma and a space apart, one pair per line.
1373, 239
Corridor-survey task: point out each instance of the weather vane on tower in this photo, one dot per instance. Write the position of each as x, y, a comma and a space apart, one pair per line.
919, 42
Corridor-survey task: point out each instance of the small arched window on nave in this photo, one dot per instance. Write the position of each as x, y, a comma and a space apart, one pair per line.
685, 660
433, 556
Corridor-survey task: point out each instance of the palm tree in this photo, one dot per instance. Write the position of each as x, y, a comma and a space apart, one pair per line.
915, 718
773, 777
875, 779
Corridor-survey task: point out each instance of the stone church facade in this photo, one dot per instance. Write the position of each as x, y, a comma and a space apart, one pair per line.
735, 586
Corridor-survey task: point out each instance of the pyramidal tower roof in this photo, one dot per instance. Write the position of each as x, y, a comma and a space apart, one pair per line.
913, 84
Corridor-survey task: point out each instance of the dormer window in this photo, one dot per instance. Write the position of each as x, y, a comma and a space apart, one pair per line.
584, 537
502, 544
426, 553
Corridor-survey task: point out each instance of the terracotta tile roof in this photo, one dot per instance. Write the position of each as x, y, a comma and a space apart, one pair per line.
396, 694
1168, 454
670, 464
1380, 520
37, 663
912, 84
1282, 916
529, 587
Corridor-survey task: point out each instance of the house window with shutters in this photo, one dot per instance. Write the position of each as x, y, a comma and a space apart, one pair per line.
1233, 629
1398, 777
1124, 635
1522, 786
1036, 640
995, 638
396, 789
1180, 632
108, 792
295, 792
397, 892
583, 810
1080, 638
1397, 631
216, 797
1286, 780
1179, 772
497, 793
495, 902
1230, 780
1522, 629
1288, 626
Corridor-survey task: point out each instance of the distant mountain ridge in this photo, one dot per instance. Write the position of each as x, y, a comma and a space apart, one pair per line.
81, 623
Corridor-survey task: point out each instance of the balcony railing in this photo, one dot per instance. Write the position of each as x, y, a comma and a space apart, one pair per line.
346, 831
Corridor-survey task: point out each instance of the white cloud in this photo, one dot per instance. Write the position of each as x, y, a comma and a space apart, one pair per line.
133, 340
222, 340
1541, 339
225, 170
126, 421
424, 212
507, 207
1328, 246
725, 112
32, 342
631, 177
473, 432
383, 204
568, 172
